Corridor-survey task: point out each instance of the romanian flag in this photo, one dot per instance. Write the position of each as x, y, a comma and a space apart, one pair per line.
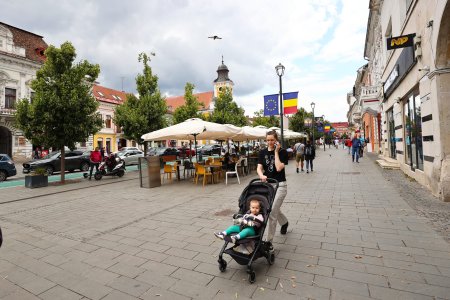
290, 103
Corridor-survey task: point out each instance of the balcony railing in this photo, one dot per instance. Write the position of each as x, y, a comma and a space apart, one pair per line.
7, 111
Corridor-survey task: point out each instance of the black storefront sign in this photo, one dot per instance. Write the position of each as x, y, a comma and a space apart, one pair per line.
400, 41
404, 63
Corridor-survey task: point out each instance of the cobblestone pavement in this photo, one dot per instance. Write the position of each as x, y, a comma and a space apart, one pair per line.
352, 235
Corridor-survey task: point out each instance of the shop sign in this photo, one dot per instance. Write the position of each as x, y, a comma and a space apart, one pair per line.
391, 78
400, 41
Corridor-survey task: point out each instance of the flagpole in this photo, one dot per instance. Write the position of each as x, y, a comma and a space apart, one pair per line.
280, 72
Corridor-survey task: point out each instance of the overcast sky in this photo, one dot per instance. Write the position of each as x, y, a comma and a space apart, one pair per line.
320, 42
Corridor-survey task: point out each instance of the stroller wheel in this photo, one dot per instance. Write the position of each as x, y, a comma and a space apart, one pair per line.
271, 258
222, 265
251, 276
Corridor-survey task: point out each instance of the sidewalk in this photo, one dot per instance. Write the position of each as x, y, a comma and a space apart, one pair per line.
351, 236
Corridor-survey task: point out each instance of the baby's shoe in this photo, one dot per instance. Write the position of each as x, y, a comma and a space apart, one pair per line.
219, 235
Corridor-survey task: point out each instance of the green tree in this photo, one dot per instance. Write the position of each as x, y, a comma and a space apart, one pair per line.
268, 121
226, 111
138, 116
63, 111
297, 121
191, 107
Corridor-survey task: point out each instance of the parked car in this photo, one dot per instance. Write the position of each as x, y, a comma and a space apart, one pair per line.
7, 167
130, 157
188, 152
129, 148
75, 160
211, 149
164, 151
151, 151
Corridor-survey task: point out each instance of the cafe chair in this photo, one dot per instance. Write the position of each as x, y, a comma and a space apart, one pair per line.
201, 171
188, 168
168, 170
235, 172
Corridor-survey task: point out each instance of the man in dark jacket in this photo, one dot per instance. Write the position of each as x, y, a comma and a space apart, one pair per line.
310, 154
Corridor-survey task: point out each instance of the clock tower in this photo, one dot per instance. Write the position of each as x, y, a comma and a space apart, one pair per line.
222, 81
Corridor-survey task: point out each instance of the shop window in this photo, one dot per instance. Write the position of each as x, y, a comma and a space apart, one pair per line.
413, 132
108, 145
10, 98
108, 121
392, 138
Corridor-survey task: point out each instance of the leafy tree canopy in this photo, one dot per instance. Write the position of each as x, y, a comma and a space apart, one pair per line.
63, 111
191, 107
138, 116
268, 121
226, 111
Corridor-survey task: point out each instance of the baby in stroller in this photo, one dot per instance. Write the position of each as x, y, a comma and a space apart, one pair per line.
244, 225
255, 205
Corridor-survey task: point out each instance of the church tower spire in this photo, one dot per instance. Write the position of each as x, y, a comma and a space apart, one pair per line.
222, 81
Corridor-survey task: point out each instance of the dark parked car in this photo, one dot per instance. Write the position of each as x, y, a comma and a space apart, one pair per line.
7, 167
164, 151
75, 160
211, 149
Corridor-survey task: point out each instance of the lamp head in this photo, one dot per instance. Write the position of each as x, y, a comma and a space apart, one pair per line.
313, 105
280, 69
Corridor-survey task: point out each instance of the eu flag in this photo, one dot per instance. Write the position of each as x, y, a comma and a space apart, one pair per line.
271, 105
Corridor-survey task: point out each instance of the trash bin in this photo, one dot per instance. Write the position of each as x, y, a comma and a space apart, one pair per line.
149, 171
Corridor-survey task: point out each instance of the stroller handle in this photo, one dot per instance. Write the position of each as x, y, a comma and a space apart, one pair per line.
269, 180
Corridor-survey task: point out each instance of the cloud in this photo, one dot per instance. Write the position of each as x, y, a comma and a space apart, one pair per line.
307, 36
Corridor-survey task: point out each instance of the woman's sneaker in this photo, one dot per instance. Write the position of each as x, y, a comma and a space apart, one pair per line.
284, 228
219, 235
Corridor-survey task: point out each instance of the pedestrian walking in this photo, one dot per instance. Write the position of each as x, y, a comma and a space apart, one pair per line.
356, 145
95, 160
299, 155
271, 164
310, 154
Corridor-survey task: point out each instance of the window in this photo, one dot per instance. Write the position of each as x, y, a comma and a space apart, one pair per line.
108, 121
100, 93
10, 98
413, 132
392, 138
118, 97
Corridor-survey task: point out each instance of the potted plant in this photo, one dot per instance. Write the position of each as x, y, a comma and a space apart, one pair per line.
37, 178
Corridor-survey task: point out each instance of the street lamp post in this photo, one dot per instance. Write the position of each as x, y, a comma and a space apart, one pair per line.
313, 120
280, 73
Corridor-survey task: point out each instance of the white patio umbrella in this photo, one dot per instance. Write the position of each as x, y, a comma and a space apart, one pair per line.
192, 128
250, 133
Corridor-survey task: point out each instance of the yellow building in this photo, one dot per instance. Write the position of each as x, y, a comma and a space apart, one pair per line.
110, 136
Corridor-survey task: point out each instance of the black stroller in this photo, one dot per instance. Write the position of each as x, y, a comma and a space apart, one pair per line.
265, 193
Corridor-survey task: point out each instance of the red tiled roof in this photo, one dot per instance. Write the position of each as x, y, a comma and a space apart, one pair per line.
33, 44
339, 124
177, 101
105, 94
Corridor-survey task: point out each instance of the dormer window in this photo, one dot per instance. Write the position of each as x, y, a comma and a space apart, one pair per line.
40, 51
119, 98
100, 93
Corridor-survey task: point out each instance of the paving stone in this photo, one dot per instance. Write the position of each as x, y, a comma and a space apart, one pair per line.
347, 286
193, 290
213, 269
181, 253
437, 280
342, 264
411, 266
20, 295
156, 279
90, 289
152, 255
420, 288
286, 274
181, 262
116, 295
361, 277
303, 290
383, 293
130, 286
192, 276
310, 268
161, 268
58, 292
340, 295
126, 269
162, 294
7, 287
37, 285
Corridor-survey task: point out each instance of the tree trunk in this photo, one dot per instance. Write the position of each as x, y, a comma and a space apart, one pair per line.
63, 165
145, 148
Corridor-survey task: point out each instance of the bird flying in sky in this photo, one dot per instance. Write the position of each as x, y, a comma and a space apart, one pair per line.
215, 37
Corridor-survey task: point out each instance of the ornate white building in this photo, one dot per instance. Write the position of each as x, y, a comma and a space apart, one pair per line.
21, 55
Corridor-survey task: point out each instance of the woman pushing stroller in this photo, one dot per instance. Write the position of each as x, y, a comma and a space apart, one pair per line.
244, 225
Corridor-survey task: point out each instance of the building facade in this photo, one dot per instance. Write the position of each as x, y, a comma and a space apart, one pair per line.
21, 55
110, 137
412, 86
